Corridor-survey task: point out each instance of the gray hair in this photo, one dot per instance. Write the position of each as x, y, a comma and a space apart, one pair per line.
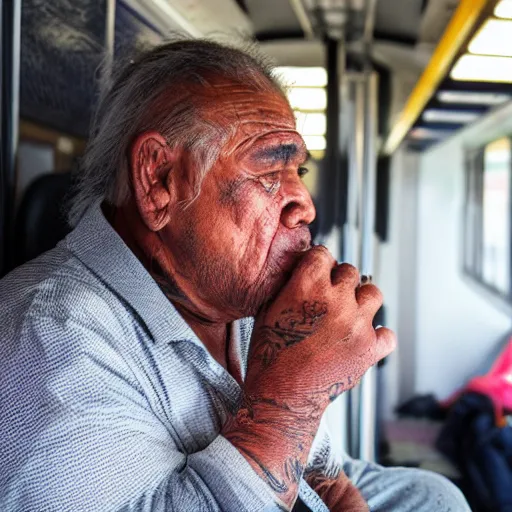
129, 105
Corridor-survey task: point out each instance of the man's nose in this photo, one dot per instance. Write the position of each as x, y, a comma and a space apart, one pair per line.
298, 208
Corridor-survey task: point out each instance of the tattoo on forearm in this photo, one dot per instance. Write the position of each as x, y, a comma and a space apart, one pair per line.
293, 469
293, 416
245, 428
292, 328
291, 473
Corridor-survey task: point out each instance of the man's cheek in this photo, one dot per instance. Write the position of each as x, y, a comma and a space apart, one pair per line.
267, 223
240, 201
252, 208
259, 233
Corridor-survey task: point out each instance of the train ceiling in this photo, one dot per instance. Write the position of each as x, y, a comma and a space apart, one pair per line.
469, 73
450, 60
410, 39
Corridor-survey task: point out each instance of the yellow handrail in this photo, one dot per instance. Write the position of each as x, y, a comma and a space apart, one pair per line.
459, 28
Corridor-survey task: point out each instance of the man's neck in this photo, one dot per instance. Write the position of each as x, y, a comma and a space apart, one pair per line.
144, 244
215, 336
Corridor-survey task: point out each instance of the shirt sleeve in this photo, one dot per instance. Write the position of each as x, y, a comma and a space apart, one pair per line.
76, 433
326, 455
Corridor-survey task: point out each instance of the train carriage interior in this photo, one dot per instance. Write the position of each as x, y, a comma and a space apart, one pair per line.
405, 107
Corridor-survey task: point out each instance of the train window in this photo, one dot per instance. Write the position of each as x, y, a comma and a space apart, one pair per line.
487, 247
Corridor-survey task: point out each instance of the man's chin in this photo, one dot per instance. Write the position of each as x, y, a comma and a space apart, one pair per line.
279, 283
274, 283
275, 280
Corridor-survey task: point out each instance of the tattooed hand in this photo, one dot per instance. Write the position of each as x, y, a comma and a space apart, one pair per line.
314, 341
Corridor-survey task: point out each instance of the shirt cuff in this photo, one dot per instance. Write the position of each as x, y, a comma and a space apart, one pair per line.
231, 479
311, 498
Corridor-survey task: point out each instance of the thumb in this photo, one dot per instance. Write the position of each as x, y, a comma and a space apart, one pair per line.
385, 343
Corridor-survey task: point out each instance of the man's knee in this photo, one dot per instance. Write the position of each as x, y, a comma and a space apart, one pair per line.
406, 490
444, 494
428, 491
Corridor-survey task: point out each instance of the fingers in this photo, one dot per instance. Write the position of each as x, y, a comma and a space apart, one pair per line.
345, 275
316, 263
369, 297
385, 343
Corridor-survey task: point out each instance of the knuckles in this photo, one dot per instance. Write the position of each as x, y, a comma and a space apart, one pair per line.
345, 273
369, 294
318, 254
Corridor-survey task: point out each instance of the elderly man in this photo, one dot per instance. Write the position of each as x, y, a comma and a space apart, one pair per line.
132, 377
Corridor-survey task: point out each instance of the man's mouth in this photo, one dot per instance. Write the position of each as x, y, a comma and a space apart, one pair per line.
288, 249
306, 243
289, 259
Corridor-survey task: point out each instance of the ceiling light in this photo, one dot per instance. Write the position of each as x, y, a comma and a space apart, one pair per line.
307, 98
504, 9
309, 123
472, 98
428, 134
303, 76
479, 68
449, 116
493, 38
315, 142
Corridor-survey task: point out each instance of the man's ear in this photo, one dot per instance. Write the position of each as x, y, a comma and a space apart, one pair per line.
152, 163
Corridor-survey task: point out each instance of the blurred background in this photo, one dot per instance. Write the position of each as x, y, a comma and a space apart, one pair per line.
405, 108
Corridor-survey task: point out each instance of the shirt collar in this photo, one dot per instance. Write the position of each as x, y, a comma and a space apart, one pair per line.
98, 246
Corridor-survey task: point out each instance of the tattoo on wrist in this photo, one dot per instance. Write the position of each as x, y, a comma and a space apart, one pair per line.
282, 480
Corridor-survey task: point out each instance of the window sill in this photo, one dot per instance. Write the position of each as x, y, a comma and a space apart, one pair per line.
498, 300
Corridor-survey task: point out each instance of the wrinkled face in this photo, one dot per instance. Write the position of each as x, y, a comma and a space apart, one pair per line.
239, 240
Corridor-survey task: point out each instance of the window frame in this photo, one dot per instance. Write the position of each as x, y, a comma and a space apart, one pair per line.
473, 216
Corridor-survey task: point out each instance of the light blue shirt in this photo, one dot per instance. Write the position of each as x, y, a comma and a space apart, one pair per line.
109, 401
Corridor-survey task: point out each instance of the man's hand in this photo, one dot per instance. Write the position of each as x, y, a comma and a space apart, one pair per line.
339, 494
314, 341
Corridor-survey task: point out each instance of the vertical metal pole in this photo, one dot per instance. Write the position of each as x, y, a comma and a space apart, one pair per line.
10, 87
368, 386
348, 231
335, 52
369, 174
352, 248
368, 404
333, 125
109, 40
342, 410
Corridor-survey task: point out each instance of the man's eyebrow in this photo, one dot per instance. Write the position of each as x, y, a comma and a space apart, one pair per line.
278, 153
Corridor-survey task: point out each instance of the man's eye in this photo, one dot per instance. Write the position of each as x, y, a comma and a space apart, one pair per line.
271, 182
302, 171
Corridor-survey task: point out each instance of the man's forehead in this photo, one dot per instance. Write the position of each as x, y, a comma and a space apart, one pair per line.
253, 110
262, 123
277, 147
